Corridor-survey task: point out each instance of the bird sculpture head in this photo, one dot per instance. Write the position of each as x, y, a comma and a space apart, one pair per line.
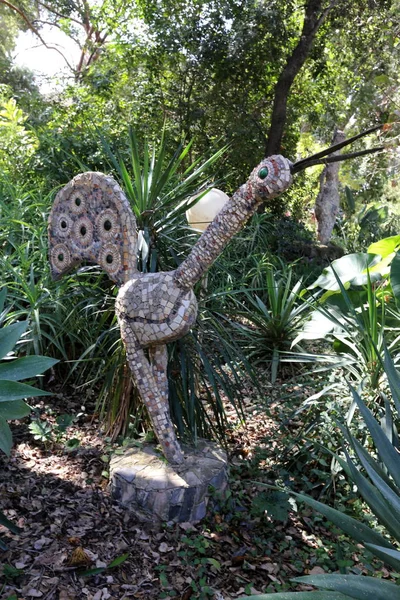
270, 178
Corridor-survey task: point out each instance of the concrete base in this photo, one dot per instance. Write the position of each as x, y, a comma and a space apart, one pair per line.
156, 491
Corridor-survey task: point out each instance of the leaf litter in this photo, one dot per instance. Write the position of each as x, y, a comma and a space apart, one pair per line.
78, 543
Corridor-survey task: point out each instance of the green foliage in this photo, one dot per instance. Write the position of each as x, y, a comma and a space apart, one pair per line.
269, 322
377, 477
41, 430
355, 323
357, 310
159, 187
112, 565
12, 392
53, 433
345, 587
17, 143
196, 551
275, 505
351, 269
12, 371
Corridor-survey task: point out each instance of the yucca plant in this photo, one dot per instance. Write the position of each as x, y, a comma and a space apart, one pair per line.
271, 316
161, 186
377, 477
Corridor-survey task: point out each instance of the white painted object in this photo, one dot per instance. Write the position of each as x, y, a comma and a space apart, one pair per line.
200, 215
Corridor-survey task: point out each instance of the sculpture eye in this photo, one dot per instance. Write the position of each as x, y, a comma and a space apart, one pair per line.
263, 173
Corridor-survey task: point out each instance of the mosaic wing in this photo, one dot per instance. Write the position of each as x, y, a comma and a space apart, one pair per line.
91, 220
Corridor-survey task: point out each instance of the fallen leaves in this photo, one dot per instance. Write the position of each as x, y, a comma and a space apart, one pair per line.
77, 544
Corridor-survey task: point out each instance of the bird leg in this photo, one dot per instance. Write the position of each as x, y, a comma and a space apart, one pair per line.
153, 392
159, 361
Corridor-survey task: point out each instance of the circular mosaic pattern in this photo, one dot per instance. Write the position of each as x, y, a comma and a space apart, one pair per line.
107, 224
83, 230
77, 202
60, 257
63, 225
110, 259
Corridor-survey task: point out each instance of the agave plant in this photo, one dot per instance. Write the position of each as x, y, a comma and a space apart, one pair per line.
377, 477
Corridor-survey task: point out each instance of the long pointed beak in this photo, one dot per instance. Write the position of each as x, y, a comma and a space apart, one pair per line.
321, 158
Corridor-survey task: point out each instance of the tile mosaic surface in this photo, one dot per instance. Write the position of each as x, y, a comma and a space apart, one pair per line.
91, 220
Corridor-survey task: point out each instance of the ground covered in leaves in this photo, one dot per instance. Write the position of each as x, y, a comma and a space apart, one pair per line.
77, 543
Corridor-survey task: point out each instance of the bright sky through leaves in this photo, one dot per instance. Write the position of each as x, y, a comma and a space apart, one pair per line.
48, 65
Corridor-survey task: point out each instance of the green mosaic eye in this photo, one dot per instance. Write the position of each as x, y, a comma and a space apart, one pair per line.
263, 173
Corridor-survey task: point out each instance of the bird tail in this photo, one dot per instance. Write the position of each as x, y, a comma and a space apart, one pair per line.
91, 221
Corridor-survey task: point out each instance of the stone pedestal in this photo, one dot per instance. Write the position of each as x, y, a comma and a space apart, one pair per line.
156, 491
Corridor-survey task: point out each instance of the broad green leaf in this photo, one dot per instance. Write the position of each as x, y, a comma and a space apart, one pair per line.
13, 390
65, 421
351, 203
14, 409
386, 246
388, 454
357, 530
5, 437
382, 267
41, 430
25, 367
395, 277
374, 498
351, 268
373, 213
356, 586
323, 321
215, 563
10, 335
385, 551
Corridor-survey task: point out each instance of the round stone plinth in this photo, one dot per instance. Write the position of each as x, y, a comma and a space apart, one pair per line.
156, 490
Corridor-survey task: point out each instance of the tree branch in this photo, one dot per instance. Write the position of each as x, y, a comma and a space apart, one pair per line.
34, 30
57, 14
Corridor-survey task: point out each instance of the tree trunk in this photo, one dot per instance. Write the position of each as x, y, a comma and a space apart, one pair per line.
327, 202
314, 17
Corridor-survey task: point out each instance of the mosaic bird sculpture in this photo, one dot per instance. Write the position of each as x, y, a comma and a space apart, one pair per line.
91, 220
